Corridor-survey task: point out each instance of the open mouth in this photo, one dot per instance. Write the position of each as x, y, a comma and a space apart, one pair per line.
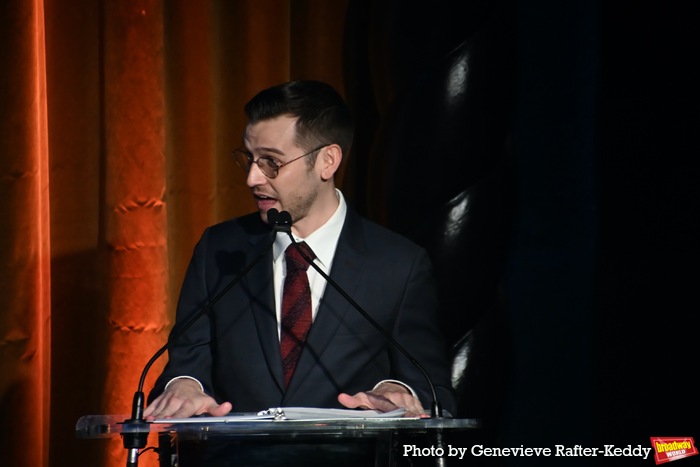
264, 202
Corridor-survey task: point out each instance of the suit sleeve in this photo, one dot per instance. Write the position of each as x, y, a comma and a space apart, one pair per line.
188, 354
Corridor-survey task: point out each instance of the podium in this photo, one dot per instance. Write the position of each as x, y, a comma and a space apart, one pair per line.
352, 442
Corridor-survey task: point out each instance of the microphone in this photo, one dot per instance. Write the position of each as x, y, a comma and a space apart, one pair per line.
280, 221
436, 407
135, 429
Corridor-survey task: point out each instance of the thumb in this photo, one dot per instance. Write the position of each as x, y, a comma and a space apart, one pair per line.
220, 410
351, 402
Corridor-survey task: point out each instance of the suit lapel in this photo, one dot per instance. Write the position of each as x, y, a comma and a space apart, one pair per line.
348, 263
259, 283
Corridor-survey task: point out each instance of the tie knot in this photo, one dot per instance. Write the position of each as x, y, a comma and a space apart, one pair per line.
295, 261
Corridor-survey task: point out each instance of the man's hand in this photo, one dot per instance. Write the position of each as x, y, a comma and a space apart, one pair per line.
184, 398
385, 398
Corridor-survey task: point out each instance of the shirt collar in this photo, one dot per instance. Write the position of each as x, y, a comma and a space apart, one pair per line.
323, 240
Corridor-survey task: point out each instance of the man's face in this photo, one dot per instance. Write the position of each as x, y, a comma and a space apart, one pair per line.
296, 187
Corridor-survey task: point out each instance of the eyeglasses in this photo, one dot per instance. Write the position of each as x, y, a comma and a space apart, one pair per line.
269, 166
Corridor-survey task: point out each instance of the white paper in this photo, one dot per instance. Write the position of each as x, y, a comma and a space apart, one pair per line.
279, 414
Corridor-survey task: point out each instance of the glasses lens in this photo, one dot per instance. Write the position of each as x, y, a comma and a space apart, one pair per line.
268, 166
243, 159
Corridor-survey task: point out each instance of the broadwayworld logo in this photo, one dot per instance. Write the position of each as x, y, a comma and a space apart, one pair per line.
672, 449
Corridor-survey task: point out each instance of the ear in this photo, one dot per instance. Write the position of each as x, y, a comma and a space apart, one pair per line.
330, 158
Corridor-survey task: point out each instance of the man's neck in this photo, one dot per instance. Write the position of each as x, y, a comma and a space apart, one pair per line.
323, 209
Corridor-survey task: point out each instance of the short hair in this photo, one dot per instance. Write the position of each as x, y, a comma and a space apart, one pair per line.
322, 114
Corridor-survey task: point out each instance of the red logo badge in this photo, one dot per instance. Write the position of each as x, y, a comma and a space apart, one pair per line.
671, 449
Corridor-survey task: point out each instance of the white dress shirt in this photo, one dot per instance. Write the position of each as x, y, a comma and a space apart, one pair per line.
323, 242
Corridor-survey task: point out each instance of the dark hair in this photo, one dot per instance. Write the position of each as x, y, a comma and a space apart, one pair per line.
323, 116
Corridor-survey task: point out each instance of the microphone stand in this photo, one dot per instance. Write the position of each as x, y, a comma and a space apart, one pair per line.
436, 408
135, 430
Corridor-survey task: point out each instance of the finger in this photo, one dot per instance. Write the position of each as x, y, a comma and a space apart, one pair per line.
380, 403
367, 400
219, 410
351, 402
405, 400
159, 407
194, 406
151, 407
174, 408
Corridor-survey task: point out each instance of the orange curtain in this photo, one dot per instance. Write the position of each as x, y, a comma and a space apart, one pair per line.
118, 119
25, 319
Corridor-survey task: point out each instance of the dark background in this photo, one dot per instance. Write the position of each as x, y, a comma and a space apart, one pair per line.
571, 276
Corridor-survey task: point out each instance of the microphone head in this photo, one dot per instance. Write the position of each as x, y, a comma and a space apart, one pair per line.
280, 221
273, 216
286, 218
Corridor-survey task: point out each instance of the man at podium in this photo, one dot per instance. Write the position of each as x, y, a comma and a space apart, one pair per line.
283, 336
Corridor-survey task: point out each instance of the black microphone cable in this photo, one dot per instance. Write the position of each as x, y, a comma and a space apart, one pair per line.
436, 407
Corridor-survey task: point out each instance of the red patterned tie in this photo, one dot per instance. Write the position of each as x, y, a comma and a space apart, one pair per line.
296, 308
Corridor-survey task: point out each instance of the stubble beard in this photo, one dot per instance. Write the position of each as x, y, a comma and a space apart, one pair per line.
301, 205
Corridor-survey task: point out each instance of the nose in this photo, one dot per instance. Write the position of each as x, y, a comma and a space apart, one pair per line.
255, 176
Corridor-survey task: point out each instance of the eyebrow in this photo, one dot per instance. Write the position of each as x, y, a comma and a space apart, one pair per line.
268, 150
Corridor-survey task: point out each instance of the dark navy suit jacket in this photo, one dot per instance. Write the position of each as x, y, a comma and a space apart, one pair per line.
234, 349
